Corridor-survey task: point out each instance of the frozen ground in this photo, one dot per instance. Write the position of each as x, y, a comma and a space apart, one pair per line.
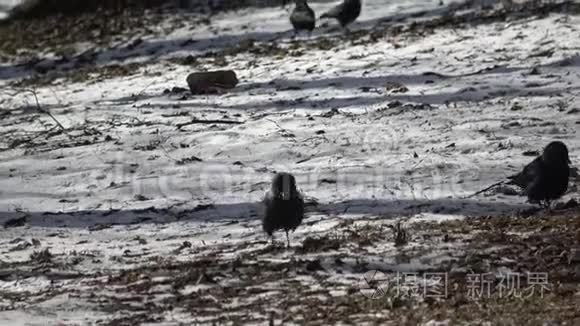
150, 219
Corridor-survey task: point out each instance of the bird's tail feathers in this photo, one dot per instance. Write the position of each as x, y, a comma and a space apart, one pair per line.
516, 180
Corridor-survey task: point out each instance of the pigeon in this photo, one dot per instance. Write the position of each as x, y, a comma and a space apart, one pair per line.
284, 206
302, 17
546, 177
346, 12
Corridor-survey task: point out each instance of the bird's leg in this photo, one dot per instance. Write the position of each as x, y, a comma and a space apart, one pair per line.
287, 240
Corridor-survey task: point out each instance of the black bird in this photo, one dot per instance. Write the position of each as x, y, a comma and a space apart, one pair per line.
346, 12
284, 206
546, 177
302, 17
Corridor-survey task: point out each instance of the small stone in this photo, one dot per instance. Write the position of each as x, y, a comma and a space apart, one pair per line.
211, 82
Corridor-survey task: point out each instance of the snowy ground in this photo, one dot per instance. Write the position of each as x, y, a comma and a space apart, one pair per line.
150, 219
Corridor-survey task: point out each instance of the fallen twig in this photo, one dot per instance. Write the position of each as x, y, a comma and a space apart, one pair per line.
284, 132
486, 189
277, 125
306, 159
39, 108
45, 110
195, 121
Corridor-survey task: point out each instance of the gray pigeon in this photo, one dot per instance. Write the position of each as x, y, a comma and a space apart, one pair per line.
346, 12
302, 17
284, 206
546, 177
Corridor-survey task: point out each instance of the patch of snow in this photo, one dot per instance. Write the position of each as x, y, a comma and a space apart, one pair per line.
115, 205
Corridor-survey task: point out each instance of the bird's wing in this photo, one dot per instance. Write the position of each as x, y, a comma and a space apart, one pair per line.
528, 174
334, 12
301, 204
304, 16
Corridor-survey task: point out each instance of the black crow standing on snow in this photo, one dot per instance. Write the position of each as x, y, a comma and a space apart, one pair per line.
546, 177
302, 17
346, 12
284, 206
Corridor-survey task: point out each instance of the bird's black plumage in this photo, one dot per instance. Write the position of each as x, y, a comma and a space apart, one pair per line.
302, 17
546, 177
284, 205
346, 12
